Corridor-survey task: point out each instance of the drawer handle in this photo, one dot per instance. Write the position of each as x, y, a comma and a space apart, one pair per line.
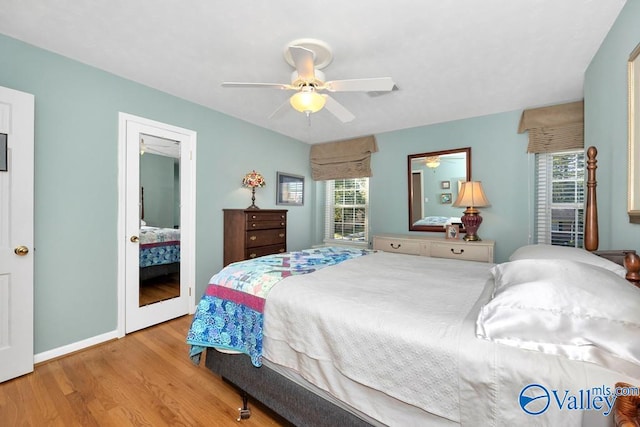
282, 216
395, 246
282, 223
453, 251
253, 224
253, 217
281, 235
281, 250
252, 255
252, 238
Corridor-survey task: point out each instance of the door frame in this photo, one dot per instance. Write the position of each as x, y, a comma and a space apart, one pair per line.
420, 191
188, 208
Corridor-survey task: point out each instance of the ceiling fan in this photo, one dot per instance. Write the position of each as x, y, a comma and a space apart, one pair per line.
308, 56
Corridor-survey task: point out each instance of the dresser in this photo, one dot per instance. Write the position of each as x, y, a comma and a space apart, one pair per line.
438, 247
250, 233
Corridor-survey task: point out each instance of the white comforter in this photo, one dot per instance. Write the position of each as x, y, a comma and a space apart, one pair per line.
408, 331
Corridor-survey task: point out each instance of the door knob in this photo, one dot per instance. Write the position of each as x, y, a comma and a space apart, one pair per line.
134, 239
21, 250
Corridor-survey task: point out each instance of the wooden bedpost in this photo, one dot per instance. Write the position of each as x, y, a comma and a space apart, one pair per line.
591, 214
632, 264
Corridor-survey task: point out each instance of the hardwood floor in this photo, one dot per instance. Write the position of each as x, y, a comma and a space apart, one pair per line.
159, 289
143, 379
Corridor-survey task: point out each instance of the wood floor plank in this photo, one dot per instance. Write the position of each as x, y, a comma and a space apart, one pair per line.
143, 379
64, 406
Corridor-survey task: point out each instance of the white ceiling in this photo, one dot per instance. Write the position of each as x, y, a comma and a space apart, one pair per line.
450, 59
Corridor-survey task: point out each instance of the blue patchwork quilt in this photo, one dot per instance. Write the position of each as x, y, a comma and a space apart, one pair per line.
230, 313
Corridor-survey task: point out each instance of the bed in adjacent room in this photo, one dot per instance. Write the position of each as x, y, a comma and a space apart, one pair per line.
339, 336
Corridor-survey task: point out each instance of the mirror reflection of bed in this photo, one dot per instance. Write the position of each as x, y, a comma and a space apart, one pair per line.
434, 180
159, 221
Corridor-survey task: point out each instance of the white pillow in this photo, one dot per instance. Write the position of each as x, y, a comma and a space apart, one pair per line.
541, 251
563, 307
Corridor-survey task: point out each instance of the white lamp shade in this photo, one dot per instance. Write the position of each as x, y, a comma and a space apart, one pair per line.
471, 195
433, 162
307, 101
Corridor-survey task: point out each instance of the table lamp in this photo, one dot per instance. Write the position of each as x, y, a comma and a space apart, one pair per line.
253, 180
471, 196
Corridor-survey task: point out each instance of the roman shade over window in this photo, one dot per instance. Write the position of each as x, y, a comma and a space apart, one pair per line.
555, 128
343, 159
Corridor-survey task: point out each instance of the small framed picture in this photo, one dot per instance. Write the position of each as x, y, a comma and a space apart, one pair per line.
445, 198
445, 185
452, 231
289, 189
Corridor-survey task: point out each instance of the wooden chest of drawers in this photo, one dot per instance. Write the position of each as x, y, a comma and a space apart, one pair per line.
435, 247
250, 233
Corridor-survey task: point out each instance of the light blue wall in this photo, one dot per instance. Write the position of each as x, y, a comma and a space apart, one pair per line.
606, 127
450, 171
498, 159
161, 198
76, 175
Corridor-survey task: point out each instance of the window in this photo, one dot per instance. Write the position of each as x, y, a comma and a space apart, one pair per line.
347, 211
560, 198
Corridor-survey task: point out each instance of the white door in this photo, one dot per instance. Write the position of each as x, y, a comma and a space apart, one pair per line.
16, 233
134, 315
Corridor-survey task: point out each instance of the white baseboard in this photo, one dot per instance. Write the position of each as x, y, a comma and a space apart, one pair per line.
76, 346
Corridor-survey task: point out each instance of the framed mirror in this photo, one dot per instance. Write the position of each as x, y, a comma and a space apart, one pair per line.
633, 205
434, 180
159, 248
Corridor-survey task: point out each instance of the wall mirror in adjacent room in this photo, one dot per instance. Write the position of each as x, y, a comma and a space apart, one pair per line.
633, 205
434, 180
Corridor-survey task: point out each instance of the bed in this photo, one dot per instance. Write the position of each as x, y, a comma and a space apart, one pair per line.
335, 336
159, 251
438, 220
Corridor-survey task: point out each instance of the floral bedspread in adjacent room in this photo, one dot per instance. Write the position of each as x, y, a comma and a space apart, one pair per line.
230, 313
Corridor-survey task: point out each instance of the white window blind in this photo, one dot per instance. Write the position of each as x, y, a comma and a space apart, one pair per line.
347, 211
560, 198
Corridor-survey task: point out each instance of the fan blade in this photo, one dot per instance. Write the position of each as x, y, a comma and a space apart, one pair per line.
259, 85
278, 111
338, 109
380, 84
303, 58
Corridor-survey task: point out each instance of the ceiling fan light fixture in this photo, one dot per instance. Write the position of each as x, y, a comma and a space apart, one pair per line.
433, 162
307, 100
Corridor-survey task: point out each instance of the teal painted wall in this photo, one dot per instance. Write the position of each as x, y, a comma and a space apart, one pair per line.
606, 127
160, 179
76, 175
498, 159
